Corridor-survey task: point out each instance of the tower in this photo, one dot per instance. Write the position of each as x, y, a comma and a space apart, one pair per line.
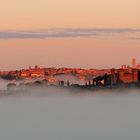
30, 69
133, 63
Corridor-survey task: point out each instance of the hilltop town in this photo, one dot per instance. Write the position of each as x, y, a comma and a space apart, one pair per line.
75, 77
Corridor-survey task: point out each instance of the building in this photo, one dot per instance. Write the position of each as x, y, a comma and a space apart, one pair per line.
133, 63
128, 75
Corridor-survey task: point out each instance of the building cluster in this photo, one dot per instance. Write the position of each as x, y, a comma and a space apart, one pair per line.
129, 74
91, 77
50, 73
123, 75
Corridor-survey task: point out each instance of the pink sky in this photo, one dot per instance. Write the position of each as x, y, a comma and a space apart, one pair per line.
85, 52
36, 14
68, 52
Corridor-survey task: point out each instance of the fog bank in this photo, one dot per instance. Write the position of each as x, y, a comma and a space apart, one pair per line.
60, 114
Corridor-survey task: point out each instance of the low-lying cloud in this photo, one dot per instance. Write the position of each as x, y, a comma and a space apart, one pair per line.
65, 33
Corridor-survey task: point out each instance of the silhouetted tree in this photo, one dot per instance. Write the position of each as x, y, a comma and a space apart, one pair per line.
68, 83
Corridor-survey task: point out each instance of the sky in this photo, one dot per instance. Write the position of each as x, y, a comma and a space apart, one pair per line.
69, 33
36, 14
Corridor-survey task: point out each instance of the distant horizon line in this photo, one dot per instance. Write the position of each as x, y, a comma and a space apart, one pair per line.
64, 68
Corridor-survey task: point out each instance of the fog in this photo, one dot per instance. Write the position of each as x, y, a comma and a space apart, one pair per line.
72, 79
61, 114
